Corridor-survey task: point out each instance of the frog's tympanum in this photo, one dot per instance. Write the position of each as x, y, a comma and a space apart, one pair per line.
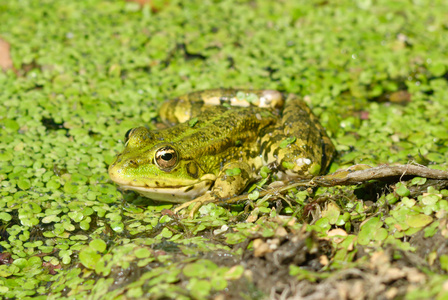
217, 143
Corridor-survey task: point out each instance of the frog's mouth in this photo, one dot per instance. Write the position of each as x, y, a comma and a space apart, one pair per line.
185, 191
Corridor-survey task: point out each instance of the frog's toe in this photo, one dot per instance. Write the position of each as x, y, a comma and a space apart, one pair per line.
181, 207
196, 207
198, 202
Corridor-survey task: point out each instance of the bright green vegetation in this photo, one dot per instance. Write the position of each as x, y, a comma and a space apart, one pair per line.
375, 73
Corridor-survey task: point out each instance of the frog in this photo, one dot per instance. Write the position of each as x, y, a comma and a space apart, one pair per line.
216, 142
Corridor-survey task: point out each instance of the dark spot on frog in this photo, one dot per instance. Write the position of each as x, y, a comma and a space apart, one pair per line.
189, 188
223, 100
132, 164
192, 169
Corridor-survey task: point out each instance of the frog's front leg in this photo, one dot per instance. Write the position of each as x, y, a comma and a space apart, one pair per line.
232, 179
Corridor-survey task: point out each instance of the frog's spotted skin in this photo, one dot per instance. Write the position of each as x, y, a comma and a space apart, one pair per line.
310, 152
185, 107
209, 140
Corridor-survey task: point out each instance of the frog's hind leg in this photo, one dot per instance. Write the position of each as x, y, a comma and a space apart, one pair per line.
299, 144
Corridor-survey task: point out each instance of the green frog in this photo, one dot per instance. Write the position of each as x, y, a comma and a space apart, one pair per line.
216, 144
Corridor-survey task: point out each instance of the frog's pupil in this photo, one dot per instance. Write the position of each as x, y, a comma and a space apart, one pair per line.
127, 134
167, 156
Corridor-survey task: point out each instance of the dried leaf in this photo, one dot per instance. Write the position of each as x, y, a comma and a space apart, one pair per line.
5, 56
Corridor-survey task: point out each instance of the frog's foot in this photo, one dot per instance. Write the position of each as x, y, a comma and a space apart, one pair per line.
202, 200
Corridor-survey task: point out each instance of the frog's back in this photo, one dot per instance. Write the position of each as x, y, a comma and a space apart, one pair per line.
219, 128
291, 140
188, 106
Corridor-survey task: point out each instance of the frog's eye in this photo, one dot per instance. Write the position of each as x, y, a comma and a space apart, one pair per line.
127, 135
166, 158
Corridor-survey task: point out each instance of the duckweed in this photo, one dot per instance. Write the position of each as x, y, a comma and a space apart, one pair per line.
374, 73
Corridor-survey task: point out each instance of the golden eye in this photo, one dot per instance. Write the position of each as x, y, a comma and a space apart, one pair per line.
166, 158
128, 134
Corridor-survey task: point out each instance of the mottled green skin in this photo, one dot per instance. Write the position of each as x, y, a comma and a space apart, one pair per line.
222, 138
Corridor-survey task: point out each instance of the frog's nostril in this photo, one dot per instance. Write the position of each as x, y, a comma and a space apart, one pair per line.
132, 163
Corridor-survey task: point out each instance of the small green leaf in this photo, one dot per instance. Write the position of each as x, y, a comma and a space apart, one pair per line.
85, 225
431, 229
53, 184
166, 233
194, 270
419, 220
437, 68
254, 195
323, 224
287, 141
98, 245
402, 190
50, 219
5, 216
408, 202
142, 253
235, 238
192, 122
200, 289
288, 165
430, 199
241, 95
252, 98
219, 284
117, 226
24, 183
10, 124
369, 231
381, 234
332, 212
6, 155
71, 187
418, 181
76, 216
264, 171
20, 262
89, 257
391, 199
233, 172
5, 271
314, 169
444, 261
234, 273
165, 219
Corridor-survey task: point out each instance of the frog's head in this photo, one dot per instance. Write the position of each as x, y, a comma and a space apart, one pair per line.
157, 169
